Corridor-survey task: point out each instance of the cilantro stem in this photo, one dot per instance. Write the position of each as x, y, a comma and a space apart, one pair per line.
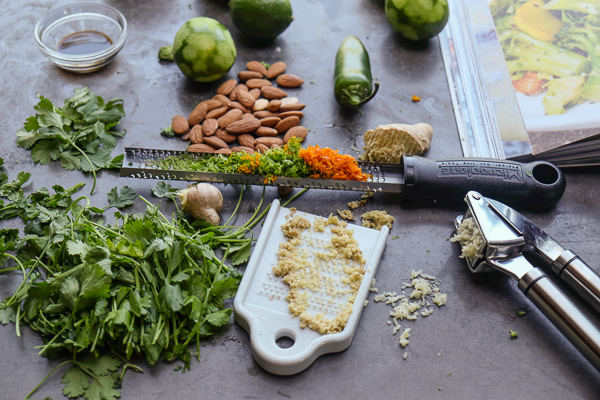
236, 207
48, 376
45, 347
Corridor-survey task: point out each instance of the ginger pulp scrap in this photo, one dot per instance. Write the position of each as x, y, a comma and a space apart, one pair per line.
388, 143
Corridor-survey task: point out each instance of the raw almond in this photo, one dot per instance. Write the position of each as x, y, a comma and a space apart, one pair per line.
287, 123
246, 75
200, 148
230, 116
269, 121
286, 114
269, 141
209, 126
292, 107
224, 136
245, 125
289, 81
246, 139
242, 148
233, 94
180, 124
261, 148
215, 142
246, 99
270, 92
217, 112
197, 114
260, 104
226, 87
196, 135
264, 114
276, 69
224, 100
257, 83
274, 105
185, 136
257, 67
247, 116
265, 131
224, 151
295, 131
239, 106
255, 93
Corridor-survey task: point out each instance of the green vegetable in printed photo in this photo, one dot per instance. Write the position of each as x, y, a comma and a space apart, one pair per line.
352, 79
79, 135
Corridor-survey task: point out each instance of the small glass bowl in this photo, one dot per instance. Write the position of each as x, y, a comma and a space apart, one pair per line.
97, 18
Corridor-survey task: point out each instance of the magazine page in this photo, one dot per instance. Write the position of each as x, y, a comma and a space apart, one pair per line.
485, 100
550, 48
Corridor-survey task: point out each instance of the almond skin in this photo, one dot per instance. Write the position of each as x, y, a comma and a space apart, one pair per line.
180, 124
226, 87
217, 112
274, 105
286, 114
245, 99
245, 125
256, 66
242, 148
257, 83
200, 148
287, 123
230, 116
196, 134
215, 142
276, 69
246, 75
289, 81
265, 131
270, 92
209, 126
269, 141
225, 136
269, 121
295, 131
261, 148
223, 151
225, 101
246, 139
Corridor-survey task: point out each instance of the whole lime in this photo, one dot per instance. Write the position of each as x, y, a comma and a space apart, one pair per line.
417, 19
204, 49
261, 19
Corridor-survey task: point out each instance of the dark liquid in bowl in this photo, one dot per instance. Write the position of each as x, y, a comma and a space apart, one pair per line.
84, 42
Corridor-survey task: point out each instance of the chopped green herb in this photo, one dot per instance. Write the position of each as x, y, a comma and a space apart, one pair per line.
513, 334
396, 237
521, 313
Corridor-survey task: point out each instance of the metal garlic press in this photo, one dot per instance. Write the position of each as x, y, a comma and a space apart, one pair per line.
508, 235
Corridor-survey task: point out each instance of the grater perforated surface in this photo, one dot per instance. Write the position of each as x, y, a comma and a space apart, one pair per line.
262, 309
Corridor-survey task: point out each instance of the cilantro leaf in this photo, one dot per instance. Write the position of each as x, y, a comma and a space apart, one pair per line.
121, 200
165, 190
75, 382
219, 318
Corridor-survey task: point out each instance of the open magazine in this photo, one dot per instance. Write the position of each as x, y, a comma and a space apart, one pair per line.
524, 77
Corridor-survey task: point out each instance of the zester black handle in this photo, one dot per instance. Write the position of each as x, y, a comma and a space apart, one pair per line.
537, 185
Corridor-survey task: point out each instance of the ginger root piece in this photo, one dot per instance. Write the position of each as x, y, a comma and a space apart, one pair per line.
388, 143
202, 200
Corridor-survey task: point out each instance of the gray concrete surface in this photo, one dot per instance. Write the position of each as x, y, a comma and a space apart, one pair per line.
462, 351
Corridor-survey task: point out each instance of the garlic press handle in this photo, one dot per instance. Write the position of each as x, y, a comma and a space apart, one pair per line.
578, 275
563, 313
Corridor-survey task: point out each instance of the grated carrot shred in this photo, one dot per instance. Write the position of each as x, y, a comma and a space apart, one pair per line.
329, 164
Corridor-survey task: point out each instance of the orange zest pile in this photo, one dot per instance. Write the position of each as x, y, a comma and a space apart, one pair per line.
326, 163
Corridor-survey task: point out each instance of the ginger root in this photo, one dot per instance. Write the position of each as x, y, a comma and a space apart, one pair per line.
388, 143
202, 200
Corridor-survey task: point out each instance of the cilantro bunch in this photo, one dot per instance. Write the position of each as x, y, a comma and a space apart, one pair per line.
102, 293
79, 134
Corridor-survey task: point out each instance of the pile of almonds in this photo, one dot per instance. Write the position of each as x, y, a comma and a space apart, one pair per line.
248, 114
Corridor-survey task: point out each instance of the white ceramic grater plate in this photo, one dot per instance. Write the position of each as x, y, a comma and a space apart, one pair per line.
261, 308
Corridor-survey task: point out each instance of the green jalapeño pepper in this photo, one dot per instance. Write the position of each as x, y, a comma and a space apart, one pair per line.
353, 83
